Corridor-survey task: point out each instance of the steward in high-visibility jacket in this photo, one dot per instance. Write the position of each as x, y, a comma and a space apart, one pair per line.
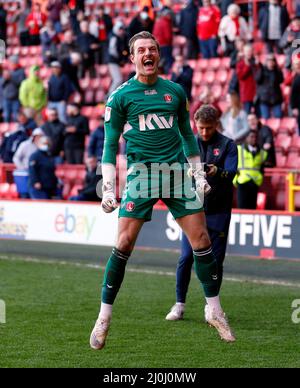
250, 165
250, 175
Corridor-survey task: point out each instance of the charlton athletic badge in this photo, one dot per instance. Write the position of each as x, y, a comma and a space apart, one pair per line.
216, 152
168, 98
130, 206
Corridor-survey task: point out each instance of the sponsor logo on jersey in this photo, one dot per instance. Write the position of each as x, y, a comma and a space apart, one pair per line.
107, 113
130, 207
150, 92
168, 98
216, 152
147, 122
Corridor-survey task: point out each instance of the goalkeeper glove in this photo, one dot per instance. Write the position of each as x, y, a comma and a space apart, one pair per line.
109, 202
202, 187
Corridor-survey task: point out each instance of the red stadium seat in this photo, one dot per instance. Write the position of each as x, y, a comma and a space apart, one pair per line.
295, 145
289, 124
94, 124
283, 142
4, 190
274, 124
209, 77
89, 97
293, 160
280, 160
261, 201
222, 76
13, 192
217, 91
197, 77
75, 190
214, 64
203, 64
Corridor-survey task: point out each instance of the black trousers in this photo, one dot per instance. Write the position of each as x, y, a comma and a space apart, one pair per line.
247, 195
74, 156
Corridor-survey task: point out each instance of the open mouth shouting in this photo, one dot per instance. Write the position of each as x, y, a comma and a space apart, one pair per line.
149, 64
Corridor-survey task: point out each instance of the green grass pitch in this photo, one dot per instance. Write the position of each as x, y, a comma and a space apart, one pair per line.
51, 309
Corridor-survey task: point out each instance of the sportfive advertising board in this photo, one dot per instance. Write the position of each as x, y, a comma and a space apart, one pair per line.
260, 234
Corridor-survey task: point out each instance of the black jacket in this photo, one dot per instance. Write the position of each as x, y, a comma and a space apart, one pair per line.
264, 20
90, 185
222, 152
118, 49
96, 143
268, 85
76, 140
188, 21
295, 93
3, 23
42, 170
11, 87
55, 130
59, 88
137, 26
11, 143
184, 79
265, 135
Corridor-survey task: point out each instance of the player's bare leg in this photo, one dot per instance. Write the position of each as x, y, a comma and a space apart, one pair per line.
195, 228
129, 229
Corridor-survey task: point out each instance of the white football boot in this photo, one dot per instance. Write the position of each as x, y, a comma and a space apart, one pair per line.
99, 333
176, 313
219, 321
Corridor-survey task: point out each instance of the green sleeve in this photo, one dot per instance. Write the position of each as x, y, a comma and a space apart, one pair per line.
190, 146
115, 120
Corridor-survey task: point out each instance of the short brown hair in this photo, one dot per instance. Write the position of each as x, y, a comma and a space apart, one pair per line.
142, 35
207, 114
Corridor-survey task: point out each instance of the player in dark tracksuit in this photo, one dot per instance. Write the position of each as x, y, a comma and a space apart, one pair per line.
220, 156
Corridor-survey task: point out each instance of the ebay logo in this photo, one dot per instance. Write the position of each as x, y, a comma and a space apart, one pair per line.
70, 223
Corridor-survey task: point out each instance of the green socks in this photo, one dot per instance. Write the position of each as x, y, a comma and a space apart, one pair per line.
114, 275
207, 271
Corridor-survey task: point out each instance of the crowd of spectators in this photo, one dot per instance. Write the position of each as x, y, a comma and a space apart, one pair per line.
74, 41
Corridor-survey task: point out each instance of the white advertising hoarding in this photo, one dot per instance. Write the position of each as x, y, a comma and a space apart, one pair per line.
57, 222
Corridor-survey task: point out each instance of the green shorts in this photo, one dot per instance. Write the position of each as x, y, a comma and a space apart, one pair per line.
143, 192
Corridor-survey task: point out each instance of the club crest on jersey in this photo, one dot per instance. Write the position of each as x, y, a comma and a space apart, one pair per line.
150, 92
216, 152
130, 207
168, 98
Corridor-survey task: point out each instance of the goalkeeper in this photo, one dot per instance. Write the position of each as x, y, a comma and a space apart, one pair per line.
152, 114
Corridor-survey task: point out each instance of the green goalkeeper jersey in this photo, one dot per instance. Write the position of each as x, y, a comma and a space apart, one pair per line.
154, 121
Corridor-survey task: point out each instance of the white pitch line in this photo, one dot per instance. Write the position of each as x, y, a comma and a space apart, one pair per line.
98, 267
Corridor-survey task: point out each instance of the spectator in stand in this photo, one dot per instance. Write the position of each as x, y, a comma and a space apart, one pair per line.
55, 131
269, 78
206, 98
3, 22
295, 90
298, 7
265, 138
235, 57
12, 140
35, 22
75, 7
12, 79
163, 32
20, 16
26, 149
32, 94
21, 161
87, 44
141, 22
250, 173
188, 28
70, 66
101, 28
89, 191
54, 8
209, 18
65, 18
96, 143
118, 55
245, 70
67, 46
150, 4
273, 21
77, 129
182, 74
49, 41
60, 89
232, 26
42, 179
234, 120
291, 34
